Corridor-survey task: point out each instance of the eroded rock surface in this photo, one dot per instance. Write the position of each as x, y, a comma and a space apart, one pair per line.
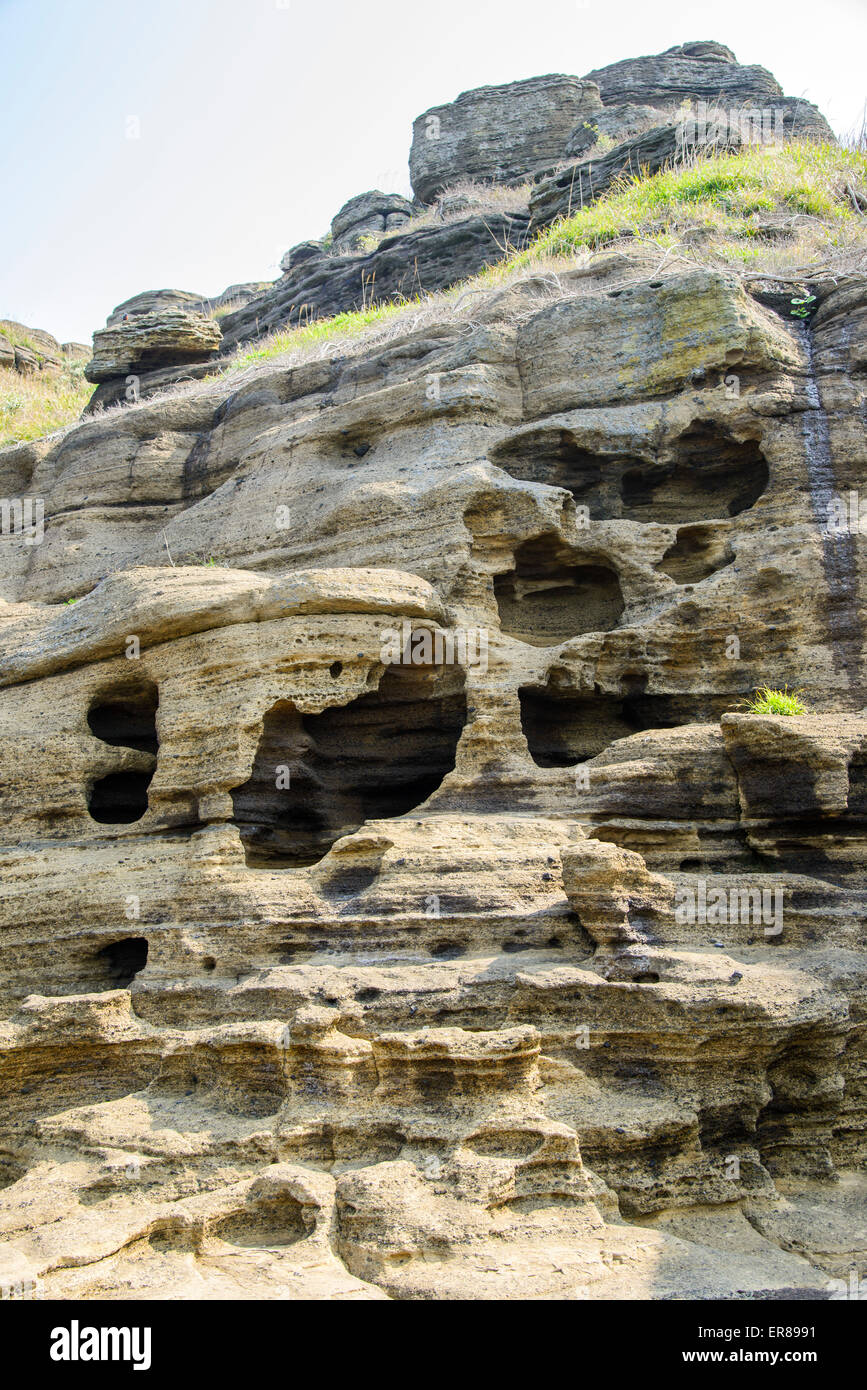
398, 900
316, 964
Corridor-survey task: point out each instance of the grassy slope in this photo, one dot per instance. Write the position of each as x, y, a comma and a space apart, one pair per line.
788, 212
37, 403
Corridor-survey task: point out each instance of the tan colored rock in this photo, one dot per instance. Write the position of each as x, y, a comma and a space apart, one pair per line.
328, 973
146, 341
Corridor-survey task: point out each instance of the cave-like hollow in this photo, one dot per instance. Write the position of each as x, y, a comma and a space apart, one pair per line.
551, 595
562, 729
705, 474
697, 553
124, 716
317, 777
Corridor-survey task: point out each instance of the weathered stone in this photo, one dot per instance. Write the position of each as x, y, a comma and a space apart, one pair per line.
691, 70
398, 899
33, 350
76, 352
497, 133
150, 339
572, 187
151, 302
368, 215
617, 123
407, 264
304, 251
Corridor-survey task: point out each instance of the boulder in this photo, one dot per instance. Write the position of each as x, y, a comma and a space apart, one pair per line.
236, 295
694, 70
304, 251
153, 301
147, 341
497, 133
368, 215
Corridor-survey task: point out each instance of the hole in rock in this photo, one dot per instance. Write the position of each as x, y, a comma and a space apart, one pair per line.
548, 597
350, 881
858, 785
552, 456
504, 1143
124, 717
698, 552
273, 1221
563, 729
127, 718
120, 798
704, 474
122, 961
448, 949
381, 755
709, 475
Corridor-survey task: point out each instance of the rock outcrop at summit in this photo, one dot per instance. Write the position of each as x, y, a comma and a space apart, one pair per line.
496, 133
568, 138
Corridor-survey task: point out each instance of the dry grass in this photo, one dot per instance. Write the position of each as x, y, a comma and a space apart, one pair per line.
788, 213
39, 403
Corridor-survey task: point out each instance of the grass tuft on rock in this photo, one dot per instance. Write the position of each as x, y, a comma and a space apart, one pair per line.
768, 701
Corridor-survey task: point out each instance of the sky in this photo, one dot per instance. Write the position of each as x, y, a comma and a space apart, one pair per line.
189, 143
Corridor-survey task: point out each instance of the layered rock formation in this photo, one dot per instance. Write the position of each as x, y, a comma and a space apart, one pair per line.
31, 350
340, 968
569, 137
496, 133
398, 899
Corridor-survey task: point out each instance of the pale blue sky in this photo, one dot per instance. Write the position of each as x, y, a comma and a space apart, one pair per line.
259, 118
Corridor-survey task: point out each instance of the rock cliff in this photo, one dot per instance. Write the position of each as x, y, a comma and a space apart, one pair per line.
399, 900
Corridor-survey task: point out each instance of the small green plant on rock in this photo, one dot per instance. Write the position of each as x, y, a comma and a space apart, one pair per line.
768, 701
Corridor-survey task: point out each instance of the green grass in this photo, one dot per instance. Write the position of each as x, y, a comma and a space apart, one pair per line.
730, 195
768, 701
346, 325
727, 201
731, 198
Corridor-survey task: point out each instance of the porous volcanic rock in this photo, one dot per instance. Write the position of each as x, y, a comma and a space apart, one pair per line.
348, 954
400, 900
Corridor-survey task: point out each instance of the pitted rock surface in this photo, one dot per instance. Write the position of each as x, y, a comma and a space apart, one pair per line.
399, 901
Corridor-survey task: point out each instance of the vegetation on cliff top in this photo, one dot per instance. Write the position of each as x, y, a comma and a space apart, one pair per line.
786, 212
753, 207
778, 211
